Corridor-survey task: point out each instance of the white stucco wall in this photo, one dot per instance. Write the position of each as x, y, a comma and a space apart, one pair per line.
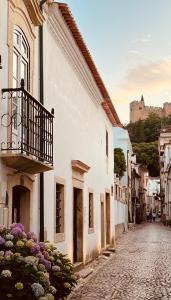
80, 127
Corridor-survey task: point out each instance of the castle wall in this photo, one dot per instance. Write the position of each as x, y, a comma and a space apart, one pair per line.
167, 109
139, 111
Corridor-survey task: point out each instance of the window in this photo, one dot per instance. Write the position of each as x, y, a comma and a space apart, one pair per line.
20, 58
107, 150
20, 71
115, 191
91, 217
59, 208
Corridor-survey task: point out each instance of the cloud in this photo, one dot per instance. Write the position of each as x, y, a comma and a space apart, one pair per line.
149, 78
145, 39
134, 56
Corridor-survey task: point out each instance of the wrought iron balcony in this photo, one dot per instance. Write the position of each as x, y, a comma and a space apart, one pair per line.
29, 130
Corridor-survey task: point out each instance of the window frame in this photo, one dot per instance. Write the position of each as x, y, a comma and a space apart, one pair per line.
22, 57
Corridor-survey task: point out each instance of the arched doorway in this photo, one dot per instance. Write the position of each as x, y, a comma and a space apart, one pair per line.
21, 206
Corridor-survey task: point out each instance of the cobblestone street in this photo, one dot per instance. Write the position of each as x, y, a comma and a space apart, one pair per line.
140, 269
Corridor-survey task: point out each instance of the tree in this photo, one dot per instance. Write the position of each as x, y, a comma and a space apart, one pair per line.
119, 162
147, 155
147, 130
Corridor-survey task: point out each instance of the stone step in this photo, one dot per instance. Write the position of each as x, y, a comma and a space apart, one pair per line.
111, 249
106, 253
78, 266
85, 272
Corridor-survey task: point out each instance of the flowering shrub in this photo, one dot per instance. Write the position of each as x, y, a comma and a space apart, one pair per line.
32, 270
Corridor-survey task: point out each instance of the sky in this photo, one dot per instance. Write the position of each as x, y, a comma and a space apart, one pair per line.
130, 42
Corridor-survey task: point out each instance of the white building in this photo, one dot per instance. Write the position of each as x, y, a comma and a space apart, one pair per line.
121, 140
72, 204
165, 172
153, 195
121, 207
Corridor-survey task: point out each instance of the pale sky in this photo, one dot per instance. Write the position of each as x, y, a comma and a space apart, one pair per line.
130, 42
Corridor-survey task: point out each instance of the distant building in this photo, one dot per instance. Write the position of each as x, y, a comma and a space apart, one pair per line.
139, 111
153, 195
121, 140
164, 147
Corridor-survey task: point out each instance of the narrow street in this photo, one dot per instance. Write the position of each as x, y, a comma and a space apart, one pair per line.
140, 269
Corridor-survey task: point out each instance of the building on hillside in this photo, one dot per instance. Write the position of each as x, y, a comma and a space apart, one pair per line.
47, 122
164, 147
139, 111
121, 140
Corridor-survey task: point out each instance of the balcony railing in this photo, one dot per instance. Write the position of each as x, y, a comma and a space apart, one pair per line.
29, 128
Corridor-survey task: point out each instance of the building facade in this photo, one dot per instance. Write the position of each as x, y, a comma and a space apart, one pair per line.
139, 111
164, 147
121, 207
121, 140
153, 195
56, 165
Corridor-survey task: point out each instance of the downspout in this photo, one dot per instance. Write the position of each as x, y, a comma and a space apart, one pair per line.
41, 97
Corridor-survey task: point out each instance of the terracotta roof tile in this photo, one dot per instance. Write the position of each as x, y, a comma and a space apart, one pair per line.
107, 104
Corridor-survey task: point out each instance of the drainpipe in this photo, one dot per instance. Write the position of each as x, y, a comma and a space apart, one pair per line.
41, 97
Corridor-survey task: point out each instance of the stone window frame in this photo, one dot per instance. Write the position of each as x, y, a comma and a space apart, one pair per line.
59, 236
90, 193
19, 17
22, 15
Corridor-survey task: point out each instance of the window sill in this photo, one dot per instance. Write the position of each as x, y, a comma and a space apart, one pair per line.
59, 237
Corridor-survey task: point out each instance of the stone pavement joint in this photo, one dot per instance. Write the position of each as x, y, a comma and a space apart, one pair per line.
140, 269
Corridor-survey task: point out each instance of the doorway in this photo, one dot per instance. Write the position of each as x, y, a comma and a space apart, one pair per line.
102, 226
107, 218
21, 206
78, 225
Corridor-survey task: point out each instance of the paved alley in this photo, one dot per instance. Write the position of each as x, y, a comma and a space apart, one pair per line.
140, 269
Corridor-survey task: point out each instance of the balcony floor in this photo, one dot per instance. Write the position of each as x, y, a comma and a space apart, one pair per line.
24, 163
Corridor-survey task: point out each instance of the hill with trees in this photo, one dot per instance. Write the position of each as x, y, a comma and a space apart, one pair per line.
144, 136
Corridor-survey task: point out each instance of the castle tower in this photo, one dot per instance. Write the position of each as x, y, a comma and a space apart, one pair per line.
167, 109
136, 110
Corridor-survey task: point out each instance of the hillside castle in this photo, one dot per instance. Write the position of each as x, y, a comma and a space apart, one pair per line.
139, 111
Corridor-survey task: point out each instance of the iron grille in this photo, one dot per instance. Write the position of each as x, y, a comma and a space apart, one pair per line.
90, 210
29, 125
58, 209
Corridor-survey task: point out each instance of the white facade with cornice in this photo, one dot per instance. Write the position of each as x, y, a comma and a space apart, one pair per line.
79, 134
83, 143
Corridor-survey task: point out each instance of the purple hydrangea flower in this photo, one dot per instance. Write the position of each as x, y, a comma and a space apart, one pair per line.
35, 248
8, 253
2, 241
42, 245
40, 255
46, 254
19, 225
47, 264
16, 231
31, 236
